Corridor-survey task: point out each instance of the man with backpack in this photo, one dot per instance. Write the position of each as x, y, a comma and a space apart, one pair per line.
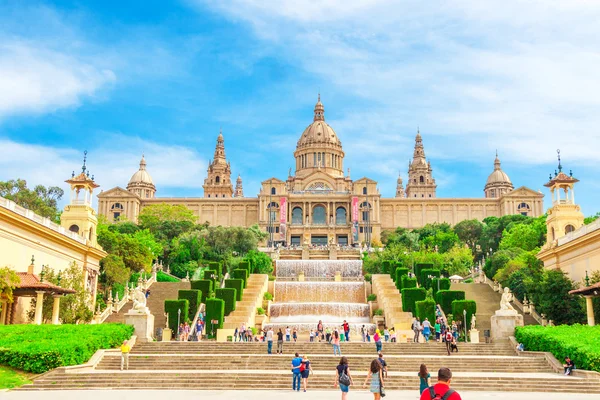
449, 338
441, 390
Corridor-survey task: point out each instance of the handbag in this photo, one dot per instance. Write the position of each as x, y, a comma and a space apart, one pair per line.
344, 378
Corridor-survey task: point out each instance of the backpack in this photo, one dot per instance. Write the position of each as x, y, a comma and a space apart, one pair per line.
435, 396
302, 367
449, 336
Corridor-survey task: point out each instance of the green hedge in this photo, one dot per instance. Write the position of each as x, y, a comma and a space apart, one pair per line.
40, 348
458, 306
228, 295
236, 284
171, 308
579, 342
426, 309
245, 265
408, 283
194, 297
162, 277
203, 285
215, 310
386, 266
444, 285
410, 296
425, 280
400, 272
419, 267
445, 298
241, 274
207, 274
216, 266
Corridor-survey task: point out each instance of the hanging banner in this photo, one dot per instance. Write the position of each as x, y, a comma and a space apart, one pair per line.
282, 218
355, 209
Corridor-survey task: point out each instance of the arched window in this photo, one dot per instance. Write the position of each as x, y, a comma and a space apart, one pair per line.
217, 180
421, 179
273, 190
273, 210
223, 195
365, 190
365, 207
523, 209
318, 215
340, 216
74, 228
569, 228
209, 195
493, 193
297, 216
116, 210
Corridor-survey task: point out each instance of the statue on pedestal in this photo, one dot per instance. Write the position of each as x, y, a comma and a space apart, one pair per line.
473, 320
139, 302
505, 301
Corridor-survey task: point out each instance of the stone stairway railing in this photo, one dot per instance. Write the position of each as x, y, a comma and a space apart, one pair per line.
245, 310
390, 300
114, 304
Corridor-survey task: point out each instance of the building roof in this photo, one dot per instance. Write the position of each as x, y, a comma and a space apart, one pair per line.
593, 290
319, 132
141, 176
498, 175
31, 282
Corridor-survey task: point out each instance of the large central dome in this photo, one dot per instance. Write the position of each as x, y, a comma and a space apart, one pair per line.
319, 147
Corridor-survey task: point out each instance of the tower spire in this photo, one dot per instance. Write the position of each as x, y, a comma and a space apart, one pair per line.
319, 110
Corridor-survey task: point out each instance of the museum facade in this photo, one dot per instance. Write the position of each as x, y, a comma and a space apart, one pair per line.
319, 203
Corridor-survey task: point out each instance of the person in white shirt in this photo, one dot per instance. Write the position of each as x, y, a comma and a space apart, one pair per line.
270, 341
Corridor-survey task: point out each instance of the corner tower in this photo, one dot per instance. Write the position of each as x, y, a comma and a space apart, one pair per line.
420, 180
218, 181
239, 190
141, 182
79, 215
498, 183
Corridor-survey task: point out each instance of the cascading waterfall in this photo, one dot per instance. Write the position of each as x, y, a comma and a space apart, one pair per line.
327, 312
305, 292
319, 268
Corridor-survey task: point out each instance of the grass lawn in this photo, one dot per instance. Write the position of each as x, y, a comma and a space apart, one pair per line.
10, 378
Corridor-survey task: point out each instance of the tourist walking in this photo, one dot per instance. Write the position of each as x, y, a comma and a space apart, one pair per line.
306, 371
336, 343
376, 376
125, 349
426, 330
449, 339
416, 327
235, 335
346, 331
295, 335
270, 341
343, 377
392, 335
363, 333
287, 333
320, 330
383, 365
280, 342
296, 363
441, 390
386, 334
438, 329
424, 378
377, 339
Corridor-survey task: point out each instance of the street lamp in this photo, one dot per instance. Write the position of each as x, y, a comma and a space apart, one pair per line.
178, 321
270, 213
465, 322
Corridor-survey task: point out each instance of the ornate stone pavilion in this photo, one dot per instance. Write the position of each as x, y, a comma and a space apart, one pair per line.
319, 203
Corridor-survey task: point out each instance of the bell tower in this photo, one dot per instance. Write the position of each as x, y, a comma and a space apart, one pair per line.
79, 215
218, 181
420, 179
565, 215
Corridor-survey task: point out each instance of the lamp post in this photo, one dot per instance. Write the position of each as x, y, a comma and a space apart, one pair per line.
465, 322
178, 321
270, 214
368, 224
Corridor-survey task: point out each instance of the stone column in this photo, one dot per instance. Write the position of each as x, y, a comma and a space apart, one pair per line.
39, 305
590, 310
55, 309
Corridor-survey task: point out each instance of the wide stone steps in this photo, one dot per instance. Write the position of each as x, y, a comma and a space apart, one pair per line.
250, 381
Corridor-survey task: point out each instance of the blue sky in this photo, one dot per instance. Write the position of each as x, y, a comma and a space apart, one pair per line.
125, 78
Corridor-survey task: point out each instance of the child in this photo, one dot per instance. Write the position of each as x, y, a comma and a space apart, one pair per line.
295, 335
312, 335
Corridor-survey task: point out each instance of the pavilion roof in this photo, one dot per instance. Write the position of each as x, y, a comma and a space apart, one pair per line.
31, 282
593, 290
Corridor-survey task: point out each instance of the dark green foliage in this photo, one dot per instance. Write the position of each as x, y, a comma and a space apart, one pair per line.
260, 263
205, 286
245, 265
372, 297
499, 259
194, 297
444, 285
579, 342
171, 308
40, 348
241, 274
215, 310
425, 273
458, 306
386, 267
445, 298
216, 266
162, 277
551, 297
419, 267
426, 309
408, 283
209, 273
410, 296
236, 284
400, 272
228, 295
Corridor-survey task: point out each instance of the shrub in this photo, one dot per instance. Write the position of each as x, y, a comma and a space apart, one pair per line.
245, 265
260, 311
40, 348
445, 298
458, 306
162, 277
408, 283
228, 295
444, 284
203, 285
172, 307
395, 266
379, 311
410, 296
236, 284
372, 297
400, 272
468, 280
215, 311
426, 309
241, 274
386, 266
216, 266
268, 296
209, 273
419, 267
580, 342
194, 298
368, 277
425, 280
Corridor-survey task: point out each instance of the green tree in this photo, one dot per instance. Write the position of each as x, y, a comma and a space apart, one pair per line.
114, 270
167, 221
469, 231
551, 297
8, 282
260, 262
590, 219
41, 200
524, 236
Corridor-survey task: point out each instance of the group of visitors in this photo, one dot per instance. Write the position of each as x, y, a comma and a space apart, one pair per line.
244, 334
185, 332
301, 369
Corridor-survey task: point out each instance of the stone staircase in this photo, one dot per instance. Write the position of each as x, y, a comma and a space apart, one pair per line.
390, 300
159, 292
245, 310
246, 366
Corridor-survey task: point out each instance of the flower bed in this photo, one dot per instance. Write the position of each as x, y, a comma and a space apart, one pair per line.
40, 348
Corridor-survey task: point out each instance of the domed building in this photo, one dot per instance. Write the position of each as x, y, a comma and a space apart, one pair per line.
319, 203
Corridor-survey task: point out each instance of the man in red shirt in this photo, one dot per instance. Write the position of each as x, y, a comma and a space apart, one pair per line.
441, 390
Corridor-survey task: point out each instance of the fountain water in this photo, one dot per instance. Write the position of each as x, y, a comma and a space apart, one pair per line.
319, 268
305, 292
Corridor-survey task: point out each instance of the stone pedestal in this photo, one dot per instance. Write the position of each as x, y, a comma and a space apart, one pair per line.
167, 335
503, 324
143, 325
474, 335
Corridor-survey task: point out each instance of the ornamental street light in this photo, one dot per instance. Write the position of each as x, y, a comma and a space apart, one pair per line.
465, 322
270, 213
178, 320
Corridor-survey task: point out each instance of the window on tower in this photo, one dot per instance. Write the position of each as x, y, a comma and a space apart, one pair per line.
365, 190
217, 180
273, 190
523, 209
569, 228
421, 179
